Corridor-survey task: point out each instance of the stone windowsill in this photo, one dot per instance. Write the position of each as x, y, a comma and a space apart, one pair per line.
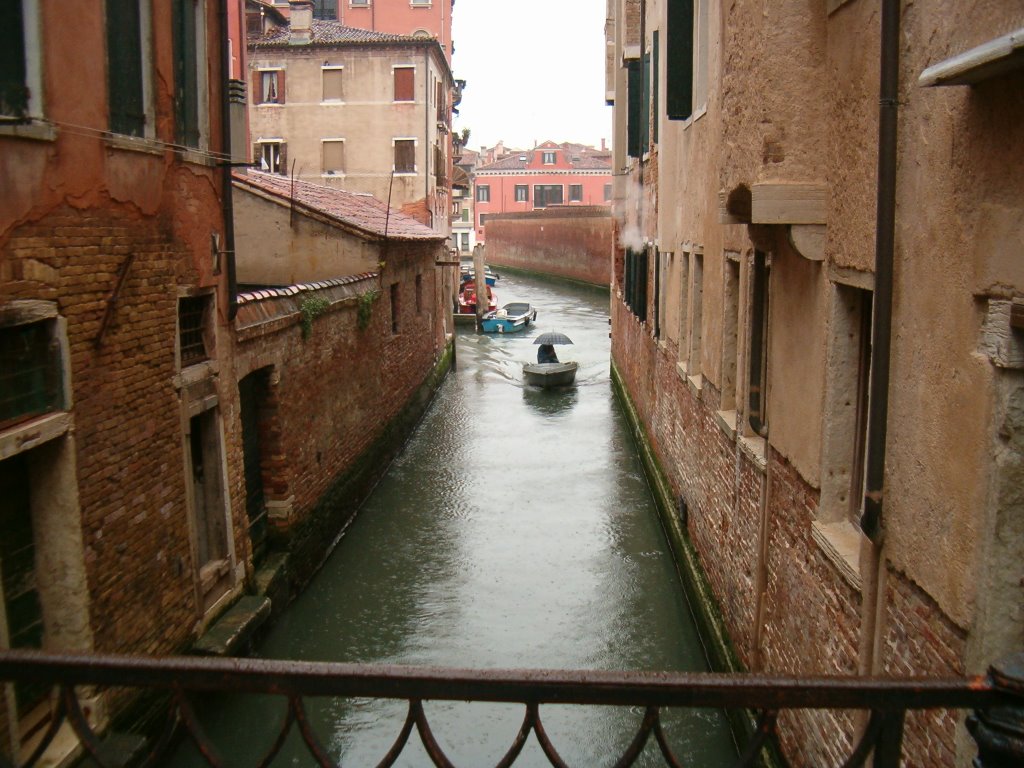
193, 374
31, 434
755, 448
695, 383
196, 157
34, 129
840, 543
135, 144
726, 421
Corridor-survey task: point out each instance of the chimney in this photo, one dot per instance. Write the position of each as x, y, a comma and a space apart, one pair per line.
301, 21
603, 148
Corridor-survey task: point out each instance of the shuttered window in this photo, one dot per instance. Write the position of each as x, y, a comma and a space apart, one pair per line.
405, 83
679, 60
405, 156
334, 157
634, 93
125, 67
185, 17
13, 85
333, 82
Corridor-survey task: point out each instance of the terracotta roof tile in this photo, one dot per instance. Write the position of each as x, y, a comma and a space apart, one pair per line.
360, 211
325, 32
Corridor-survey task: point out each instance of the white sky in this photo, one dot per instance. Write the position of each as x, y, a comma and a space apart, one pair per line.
534, 71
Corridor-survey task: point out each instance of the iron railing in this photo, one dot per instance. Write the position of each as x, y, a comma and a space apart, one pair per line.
995, 699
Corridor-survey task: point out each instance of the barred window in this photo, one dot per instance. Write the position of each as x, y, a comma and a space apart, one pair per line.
31, 383
191, 329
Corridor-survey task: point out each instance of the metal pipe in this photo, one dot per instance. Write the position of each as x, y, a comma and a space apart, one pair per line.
881, 343
226, 165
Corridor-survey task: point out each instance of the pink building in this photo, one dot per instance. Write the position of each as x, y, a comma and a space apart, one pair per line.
548, 175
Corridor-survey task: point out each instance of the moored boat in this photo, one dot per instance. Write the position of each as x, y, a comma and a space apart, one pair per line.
511, 318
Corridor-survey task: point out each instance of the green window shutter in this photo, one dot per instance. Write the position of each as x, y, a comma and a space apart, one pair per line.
186, 85
634, 95
654, 89
679, 60
645, 108
125, 67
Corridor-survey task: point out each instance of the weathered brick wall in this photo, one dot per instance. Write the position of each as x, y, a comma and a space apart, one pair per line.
570, 241
920, 640
345, 391
130, 461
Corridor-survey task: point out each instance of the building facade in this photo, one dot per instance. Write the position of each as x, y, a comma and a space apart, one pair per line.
548, 175
365, 111
816, 316
118, 528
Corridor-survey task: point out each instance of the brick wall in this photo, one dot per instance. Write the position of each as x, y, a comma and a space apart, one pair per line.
572, 241
130, 461
346, 397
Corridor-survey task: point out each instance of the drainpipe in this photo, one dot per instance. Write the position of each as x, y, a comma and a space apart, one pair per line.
872, 562
881, 329
227, 164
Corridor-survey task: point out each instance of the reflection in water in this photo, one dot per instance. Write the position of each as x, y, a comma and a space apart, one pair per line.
516, 529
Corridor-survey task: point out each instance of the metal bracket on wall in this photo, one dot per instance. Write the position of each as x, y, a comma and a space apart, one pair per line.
122, 272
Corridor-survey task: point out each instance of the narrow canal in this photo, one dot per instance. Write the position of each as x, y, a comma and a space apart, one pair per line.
515, 530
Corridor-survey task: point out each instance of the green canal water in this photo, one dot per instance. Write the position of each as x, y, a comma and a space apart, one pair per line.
516, 529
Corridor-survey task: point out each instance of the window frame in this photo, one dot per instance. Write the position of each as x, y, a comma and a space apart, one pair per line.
324, 170
118, 71
191, 74
575, 193
540, 195
32, 64
280, 95
522, 193
483, 193
404, 141
323, 83
399, 86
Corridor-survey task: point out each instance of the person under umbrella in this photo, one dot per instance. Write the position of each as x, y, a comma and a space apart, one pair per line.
546, 354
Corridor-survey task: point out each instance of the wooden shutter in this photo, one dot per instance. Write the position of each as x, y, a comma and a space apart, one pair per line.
679, 60
257, 87
333, 82
125, 68
283, 158
280, 86
405, 84
334, 156
634, 93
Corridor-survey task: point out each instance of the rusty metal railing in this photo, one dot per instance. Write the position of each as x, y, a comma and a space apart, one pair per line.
995, 699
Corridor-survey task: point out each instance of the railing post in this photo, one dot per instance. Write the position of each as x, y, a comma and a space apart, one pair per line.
999, 731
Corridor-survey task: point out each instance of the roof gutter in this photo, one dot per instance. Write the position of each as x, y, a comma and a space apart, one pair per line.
226, 164
881, 331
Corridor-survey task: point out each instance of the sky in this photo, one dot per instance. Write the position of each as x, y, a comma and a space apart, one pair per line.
534, 71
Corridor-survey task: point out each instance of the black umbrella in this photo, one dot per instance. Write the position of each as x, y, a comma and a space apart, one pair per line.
552, 338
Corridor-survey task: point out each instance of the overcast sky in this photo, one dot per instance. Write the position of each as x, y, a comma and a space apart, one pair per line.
534, 71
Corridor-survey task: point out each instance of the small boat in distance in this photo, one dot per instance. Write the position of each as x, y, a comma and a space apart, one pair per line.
468, 274
514, 316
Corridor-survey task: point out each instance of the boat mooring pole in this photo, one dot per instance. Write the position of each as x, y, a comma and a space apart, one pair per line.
481, 283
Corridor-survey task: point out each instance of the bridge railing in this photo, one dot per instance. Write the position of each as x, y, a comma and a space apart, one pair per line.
995, 701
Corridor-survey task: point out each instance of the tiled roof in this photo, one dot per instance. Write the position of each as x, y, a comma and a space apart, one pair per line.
269, 309
326, 32
360, 211
583, 160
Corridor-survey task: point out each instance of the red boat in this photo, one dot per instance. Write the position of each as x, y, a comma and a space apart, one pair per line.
467, 300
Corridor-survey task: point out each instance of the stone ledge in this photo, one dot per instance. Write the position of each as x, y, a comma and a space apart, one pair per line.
233, 631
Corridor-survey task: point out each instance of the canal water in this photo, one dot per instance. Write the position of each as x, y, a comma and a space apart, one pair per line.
516, 529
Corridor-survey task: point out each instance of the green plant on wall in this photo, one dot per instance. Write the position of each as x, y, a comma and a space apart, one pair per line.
311, 308
366, 308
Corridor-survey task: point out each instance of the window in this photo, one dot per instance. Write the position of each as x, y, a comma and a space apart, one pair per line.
421, 2
190, 73
465, 242
654, 87
548, 158
465, 214
645, 107
395, 308
270, 156
483, 193
268, 86
20, 65
607, 192
419, 294
730, 329
333, 84
848, 370
696, 308
684, 306
522, 193
635, 279
192, 329
634, 94
547, 194
456, 208
325, 9
575, 193
686, 58
127, 65
357, 3
405, 83
405, 155
333, 156
30, 372
757, 365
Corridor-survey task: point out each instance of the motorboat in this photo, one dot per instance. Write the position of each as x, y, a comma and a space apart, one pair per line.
549, 375
466, 304
490, 277
511, 318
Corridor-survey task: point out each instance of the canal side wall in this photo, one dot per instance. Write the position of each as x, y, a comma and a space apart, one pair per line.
341, 396
571, 242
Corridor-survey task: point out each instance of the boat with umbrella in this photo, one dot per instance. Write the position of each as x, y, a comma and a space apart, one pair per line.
549, 371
